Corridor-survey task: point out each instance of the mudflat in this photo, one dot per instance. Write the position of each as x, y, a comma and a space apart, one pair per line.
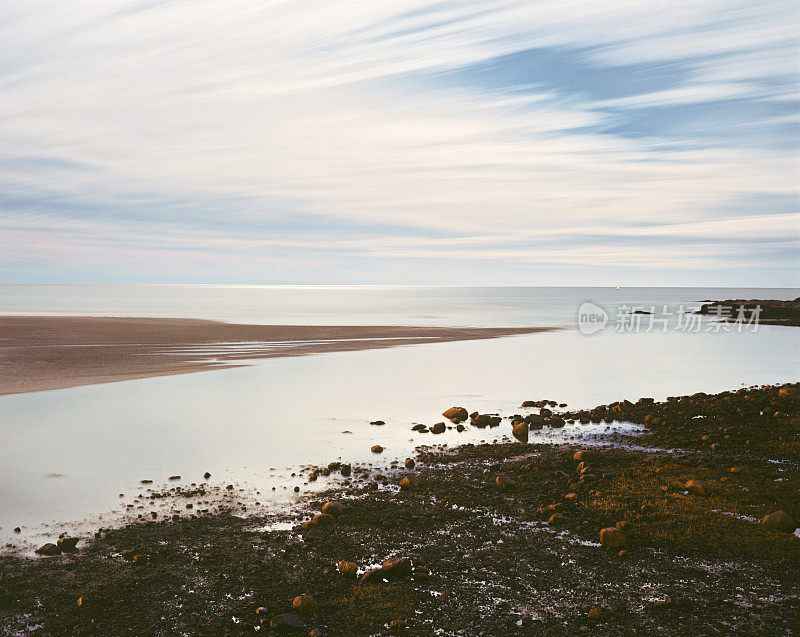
46, 352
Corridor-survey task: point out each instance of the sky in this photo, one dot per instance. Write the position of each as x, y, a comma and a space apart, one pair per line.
491, 142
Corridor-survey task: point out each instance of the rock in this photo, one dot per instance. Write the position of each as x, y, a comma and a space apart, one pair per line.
584, 455
460, 428
346, 470
397, 568
438, 428
377, 423
348, 569
48, 549
323, 519
624, 525
206, 475
698, 487
456, 414
557, 519
68, 543
780, 521
421, 573
376, 449
505, 482
304, 603
372, 576
409, 482
419, 427
287, 623
613, 538
410, 464
595, 613
84, 629
333, 508
174, 478
520, 431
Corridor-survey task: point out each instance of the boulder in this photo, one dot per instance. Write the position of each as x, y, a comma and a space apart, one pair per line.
410, 464
698, 487
68, 543
333, 508
780, 521
585, 455
346, 470
456, 414
613, 538
372, 576
438, 428
419, 427
48, 549
397, 568
323, 519
520, 431
304, 603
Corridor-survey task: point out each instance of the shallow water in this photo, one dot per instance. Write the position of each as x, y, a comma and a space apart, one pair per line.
67, 454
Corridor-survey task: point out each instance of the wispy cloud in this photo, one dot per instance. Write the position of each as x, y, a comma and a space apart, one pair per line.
241, 132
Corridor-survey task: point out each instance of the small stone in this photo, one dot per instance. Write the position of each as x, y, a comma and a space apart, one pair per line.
595, 613
174, 478
438, 428
584, 455
410, 464
557, 519
345, 469
206, 475
376, 449
520, 431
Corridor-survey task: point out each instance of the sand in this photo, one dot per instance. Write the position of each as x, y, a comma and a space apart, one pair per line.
44, 352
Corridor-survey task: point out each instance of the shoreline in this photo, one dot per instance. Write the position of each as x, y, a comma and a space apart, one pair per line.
40, 353
498, 539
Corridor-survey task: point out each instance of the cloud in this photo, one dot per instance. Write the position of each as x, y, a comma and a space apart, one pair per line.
331, 129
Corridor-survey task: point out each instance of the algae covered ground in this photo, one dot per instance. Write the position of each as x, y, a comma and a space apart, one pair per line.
496, 539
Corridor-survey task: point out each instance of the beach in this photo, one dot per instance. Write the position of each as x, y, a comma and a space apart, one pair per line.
40, 353
683, 527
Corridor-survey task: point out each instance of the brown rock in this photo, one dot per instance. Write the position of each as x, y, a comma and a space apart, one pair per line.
520, 431
323, 519
372, 576
287, 623
348, 569
376, 449
68, 543
698, 487
397, 568
333, 508
613, 538
49, 549
438, 428
304, 603
410, 464
456, 414
780, 521
584, 455
557, 519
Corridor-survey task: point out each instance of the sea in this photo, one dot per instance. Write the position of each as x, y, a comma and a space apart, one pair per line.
73, 459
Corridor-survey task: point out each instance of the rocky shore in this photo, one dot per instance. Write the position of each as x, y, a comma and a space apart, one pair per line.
688, 528
763, 311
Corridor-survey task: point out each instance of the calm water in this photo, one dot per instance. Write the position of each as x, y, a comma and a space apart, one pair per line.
66, 455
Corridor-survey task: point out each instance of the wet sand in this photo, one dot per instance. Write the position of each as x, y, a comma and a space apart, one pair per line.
42, 352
